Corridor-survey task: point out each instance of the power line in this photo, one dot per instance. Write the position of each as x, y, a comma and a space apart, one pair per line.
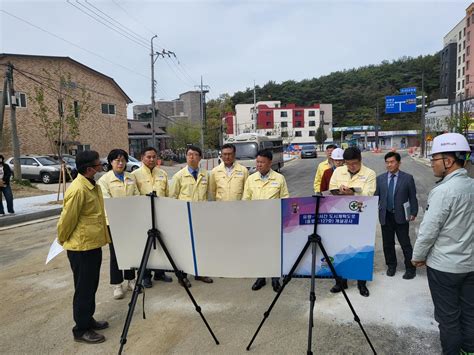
73, 44
105, 24
134, 18
136, 35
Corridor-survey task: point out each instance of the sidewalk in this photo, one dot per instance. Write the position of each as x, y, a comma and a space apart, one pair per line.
32, 208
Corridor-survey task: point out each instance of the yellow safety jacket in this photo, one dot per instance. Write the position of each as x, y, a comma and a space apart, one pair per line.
82, 224
227, 188
148, 181
258, 189
112, 186
322, 167
365, 179
184, 187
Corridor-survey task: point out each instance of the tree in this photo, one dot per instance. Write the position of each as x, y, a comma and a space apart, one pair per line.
215, 111
184, 133
320, 136
60, 123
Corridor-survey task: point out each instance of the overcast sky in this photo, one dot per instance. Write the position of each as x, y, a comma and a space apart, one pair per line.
230, 43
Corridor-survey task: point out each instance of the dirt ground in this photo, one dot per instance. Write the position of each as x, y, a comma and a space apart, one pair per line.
20, 191
36, 311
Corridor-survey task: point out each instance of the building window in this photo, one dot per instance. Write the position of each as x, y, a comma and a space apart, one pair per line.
459, 73
463, 44
268, 124
469, 36
20, 99
464, 31
284, 134
468, 50
311, 114
283, 114
108, 109
463, 83
312, 133
459, 47
467, 65
298, 124
268, 113
298, 134
467, 80
463, 70
312, 123
284, 124
459, 60
76, 109
468, 22
459, 85
298, 113
464, 57
459, 34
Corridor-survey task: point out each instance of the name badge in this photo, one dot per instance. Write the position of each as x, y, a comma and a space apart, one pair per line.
275, 184
363, 178
130, 182
239, 173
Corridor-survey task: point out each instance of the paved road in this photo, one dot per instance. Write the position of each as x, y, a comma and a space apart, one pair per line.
36, 303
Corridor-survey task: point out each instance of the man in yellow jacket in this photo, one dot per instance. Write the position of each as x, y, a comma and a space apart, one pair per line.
82, 231
265, 184
227, 180
191, 184
151, 178
353, 178
322, 167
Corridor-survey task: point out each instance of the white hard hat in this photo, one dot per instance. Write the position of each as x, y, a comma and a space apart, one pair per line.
337, 154
450, 143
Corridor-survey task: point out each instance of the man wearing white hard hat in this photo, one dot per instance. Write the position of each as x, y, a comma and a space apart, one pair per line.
445, 244
337, 157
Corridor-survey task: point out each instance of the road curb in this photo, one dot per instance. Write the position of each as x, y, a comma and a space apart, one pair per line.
17, 219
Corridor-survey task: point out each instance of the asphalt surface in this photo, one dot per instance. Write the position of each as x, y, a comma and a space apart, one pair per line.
36, 310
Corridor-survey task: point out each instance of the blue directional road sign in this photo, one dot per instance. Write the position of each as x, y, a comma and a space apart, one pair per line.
400, 103
411, 90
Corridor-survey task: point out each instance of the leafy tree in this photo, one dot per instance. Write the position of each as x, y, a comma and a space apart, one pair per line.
320, 137
184, 133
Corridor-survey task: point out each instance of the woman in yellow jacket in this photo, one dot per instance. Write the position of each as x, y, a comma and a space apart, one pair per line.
118, 183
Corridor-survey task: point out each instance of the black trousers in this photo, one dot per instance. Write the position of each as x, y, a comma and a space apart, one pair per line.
85, 267
117, 276
453, 299
389, 230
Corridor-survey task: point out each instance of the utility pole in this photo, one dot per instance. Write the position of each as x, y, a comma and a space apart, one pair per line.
2, 106
254, 118
423, 128
377, 126
153, 113
204, 89
153, 57
15, 141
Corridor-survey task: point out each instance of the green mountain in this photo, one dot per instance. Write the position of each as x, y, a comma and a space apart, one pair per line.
354, 93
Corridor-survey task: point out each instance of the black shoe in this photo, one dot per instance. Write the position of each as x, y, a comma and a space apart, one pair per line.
204, 279
99, 324
409, 274
336, 288
90, 337
147, 283
391, 271
259, 284
162, 277
276, 285
185, 282
363, 290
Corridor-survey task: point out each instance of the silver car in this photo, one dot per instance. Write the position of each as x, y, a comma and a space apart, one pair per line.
38, 167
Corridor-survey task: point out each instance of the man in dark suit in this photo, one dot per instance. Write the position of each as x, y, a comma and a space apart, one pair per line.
396, 188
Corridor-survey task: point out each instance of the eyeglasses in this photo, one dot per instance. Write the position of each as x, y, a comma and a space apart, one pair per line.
433, 160
119, 161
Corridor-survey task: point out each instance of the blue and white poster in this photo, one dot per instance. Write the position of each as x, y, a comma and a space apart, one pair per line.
346, 225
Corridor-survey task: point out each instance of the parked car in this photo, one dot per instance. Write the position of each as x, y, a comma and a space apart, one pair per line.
70, 161
132, 164
38, 167
308, 151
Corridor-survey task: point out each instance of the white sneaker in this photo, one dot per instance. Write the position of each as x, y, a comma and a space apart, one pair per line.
118, 292
131, 285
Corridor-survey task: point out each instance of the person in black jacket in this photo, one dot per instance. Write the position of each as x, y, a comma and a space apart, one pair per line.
398, 206
5, 188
